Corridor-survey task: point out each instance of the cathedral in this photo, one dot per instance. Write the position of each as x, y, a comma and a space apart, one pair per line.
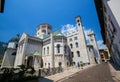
49, 49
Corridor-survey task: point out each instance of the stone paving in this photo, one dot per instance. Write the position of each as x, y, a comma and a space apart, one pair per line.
99, 73
92, 73
115, 74
67, 72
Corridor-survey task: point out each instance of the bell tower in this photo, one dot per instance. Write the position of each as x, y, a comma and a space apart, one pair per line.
78, 21
82, 41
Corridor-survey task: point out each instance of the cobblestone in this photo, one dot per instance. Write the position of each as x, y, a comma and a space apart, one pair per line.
98, 73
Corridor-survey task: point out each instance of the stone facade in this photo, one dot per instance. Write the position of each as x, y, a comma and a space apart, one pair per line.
77, 44
91, 54
53, 49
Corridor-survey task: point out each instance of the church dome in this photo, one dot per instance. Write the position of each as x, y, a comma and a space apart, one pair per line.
14, 39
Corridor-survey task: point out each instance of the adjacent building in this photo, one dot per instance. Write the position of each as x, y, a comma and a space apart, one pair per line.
104, 54
109, 17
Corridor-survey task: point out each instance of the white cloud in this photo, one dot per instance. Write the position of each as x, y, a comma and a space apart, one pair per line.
68, 28
101, 45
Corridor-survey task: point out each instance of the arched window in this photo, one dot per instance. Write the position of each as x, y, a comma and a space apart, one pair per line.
30, 61
45, 64
48, 33
58, 48
44, 51
59, 63
47, 50
72, 54
73, 63
16, 45
78, 24
44, 31
78, 53
49, 65
76, 44
75, 38
65, 49
71, 46
70, 39
13, 54
91, 40
78, 21
13, 58
90, 49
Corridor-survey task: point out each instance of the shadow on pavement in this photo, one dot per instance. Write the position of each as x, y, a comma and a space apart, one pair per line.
42, 79
115, 66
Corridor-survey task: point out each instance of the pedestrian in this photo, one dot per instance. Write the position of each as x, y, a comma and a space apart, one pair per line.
81, 63
78, 64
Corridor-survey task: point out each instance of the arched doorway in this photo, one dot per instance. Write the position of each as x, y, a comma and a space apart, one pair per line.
59, 63
60, 67
38, 61
13, 55
30, 61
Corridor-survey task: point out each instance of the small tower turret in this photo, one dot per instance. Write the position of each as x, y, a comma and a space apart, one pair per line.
43, 29
78, 21
93, 42
13, 43
10, 53
82, 41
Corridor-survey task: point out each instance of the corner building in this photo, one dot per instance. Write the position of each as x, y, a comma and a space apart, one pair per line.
77, 44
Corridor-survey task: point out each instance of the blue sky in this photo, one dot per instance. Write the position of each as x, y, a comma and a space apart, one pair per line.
25, 15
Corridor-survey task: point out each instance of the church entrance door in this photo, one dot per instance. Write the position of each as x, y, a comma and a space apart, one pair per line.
30, 61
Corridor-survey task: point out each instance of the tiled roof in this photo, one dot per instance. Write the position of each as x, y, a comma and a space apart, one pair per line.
57, 33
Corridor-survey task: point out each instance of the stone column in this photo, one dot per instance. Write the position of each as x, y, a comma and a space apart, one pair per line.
52, 50
63, 53
24, 49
